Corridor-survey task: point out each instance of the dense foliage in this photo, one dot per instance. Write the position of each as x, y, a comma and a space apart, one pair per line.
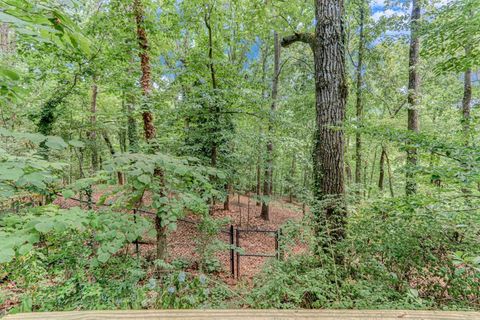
172, 107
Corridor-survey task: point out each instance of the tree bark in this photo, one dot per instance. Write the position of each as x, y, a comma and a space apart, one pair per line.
109, 144
331, 94
413, 96
211, 66
359, 102
268, 174
145, 80
259, 182
381, 177
131, 126
148, 125
390, 175
292, 180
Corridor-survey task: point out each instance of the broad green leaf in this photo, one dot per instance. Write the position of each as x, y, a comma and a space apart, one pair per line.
103, 257
44, 227
67, 193
56, 143
10, 174
6, 255
144, 178
76, 143
25, 249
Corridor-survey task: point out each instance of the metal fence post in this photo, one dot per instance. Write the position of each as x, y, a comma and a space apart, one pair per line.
232, 252
277, 247
137, 249
238, 253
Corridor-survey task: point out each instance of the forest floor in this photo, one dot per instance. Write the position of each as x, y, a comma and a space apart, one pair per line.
243, 214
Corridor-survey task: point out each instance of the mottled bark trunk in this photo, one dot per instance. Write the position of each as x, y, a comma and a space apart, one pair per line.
148, 125
359, 101
413, 97
268, 174
145, 80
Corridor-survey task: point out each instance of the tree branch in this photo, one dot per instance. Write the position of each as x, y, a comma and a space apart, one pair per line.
299, 37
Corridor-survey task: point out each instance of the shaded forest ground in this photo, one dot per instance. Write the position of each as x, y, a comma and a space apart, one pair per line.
244, 214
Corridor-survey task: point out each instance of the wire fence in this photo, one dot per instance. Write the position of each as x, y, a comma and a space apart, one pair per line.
234, 237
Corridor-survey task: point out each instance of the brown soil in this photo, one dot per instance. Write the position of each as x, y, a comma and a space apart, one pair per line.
243, 214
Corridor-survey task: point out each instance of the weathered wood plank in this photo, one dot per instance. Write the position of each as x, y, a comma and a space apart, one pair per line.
250, 314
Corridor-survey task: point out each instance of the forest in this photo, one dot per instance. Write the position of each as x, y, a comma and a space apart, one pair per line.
239, 154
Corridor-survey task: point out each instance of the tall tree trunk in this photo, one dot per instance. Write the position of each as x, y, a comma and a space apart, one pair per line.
292, 180
328, 44
268, 174
109, 144
93, 124
413, 93
131, 126
148, 125
359, 102
466, 110
381, 176
146, 78
370, 182
211, 66
331, 95
467, 104
215, 110
259, 182
390, 175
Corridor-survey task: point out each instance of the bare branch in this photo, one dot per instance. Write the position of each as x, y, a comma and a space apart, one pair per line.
299, 37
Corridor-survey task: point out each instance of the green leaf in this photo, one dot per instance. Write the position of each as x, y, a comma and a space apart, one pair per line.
9, 73
10, 174
144, 178
44, 227
35, 179
103, 257
26, 248
6, 255
56, 143
67, 193
76, 143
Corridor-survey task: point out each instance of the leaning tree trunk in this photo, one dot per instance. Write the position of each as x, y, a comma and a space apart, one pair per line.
328, 45
359, 101
413, 92
148, 125
268, 174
